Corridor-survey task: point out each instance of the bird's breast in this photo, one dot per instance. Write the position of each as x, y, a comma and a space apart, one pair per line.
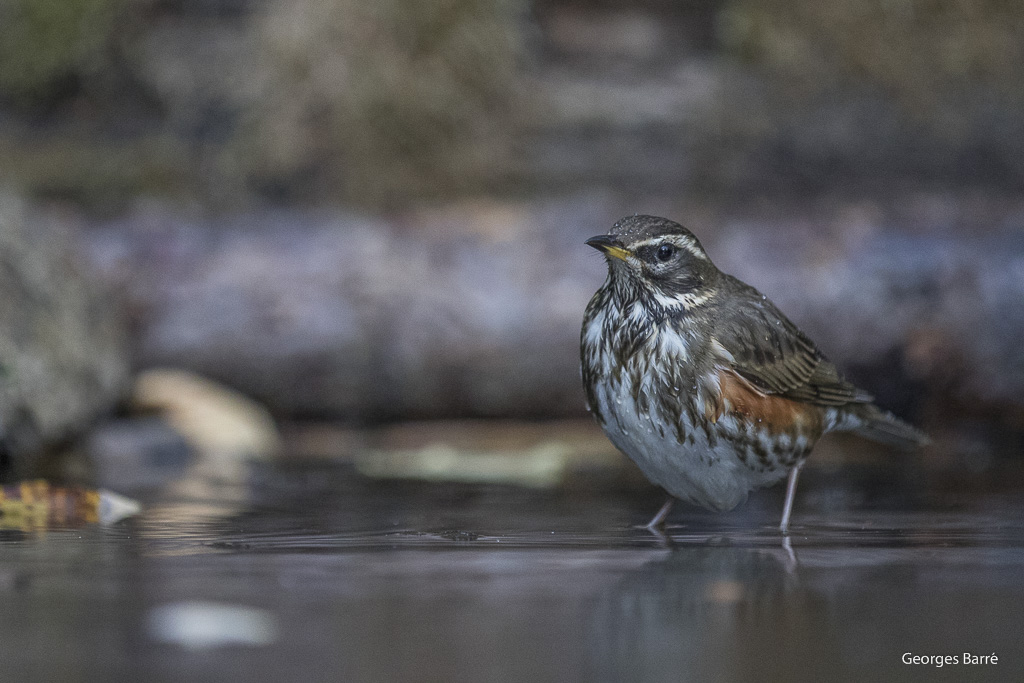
664, 392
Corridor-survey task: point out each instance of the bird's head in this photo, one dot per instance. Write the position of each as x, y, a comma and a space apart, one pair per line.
658, 262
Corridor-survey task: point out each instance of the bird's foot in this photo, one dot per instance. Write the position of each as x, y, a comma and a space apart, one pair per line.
657, 524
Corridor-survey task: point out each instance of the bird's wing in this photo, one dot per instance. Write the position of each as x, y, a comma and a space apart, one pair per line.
764, 347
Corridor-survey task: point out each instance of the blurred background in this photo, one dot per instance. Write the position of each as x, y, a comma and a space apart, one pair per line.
367, 215
288, 283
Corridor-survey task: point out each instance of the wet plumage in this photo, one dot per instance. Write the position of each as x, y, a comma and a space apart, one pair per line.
701, 380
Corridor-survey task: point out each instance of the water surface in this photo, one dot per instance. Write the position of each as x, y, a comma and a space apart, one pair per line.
313, 572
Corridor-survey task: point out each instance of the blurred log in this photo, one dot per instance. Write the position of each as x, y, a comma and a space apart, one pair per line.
63, 346
475, 311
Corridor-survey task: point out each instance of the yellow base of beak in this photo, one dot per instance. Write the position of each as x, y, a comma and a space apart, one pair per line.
617, 252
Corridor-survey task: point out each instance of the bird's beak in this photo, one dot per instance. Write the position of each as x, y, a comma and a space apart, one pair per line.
610, 245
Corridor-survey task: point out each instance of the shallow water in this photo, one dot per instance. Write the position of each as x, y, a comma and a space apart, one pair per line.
314, 573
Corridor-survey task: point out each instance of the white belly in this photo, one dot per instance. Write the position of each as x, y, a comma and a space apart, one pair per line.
706, 474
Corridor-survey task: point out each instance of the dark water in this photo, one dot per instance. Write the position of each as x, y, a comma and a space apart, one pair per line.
313, 573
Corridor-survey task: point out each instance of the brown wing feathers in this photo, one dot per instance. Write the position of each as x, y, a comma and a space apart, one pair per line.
773, 355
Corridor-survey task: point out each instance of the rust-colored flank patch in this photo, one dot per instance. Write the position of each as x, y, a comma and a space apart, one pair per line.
778, 414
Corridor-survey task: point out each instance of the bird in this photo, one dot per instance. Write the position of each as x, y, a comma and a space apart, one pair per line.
702, 381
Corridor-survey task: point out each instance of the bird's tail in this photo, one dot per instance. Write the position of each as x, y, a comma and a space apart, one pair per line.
871, 422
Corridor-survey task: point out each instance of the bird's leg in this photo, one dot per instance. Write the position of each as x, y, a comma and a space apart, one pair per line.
657, 524
787, 509
791, 562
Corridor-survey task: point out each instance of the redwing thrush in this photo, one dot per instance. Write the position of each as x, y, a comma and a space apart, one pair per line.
702, 381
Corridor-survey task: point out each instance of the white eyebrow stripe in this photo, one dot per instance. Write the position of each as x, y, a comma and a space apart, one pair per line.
681, 241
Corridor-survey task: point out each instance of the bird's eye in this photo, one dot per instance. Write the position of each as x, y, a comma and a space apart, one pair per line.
665, 252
